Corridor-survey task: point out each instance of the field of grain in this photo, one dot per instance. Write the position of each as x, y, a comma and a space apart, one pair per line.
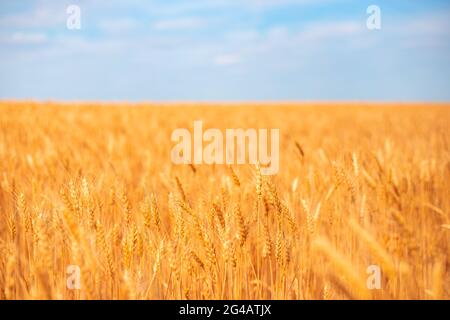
93, 186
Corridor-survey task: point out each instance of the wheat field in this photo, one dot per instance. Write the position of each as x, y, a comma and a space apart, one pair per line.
93, 186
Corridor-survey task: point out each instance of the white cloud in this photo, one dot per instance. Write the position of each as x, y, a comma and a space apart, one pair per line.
428, 31
227, 59
39, 17
180, 23
25, 38
183, 8
262, 4
117, 25
326, 30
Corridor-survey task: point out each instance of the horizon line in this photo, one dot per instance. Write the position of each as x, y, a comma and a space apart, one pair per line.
223, 102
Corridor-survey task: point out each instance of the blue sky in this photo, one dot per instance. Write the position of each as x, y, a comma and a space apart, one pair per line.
225, 50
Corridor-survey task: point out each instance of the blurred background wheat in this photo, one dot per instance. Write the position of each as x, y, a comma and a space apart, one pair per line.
93, 186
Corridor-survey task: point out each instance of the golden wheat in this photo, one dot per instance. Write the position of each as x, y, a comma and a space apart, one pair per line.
94, 187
